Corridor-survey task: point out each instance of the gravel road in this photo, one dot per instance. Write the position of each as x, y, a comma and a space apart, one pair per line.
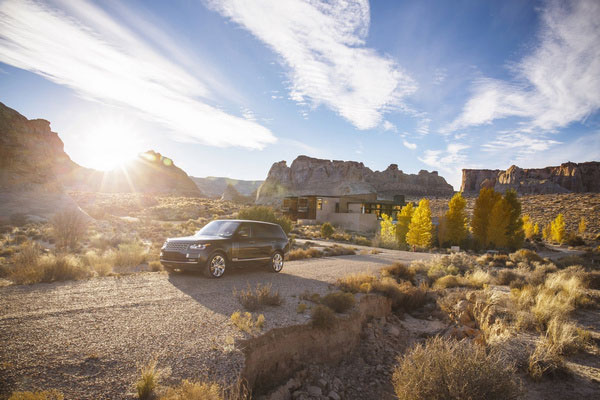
87, 338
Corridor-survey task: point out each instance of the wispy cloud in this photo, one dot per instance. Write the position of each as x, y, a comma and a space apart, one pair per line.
423, 126
519, 142
77, 44
408, 145
558, 83
388, 126
450, 161
322, 44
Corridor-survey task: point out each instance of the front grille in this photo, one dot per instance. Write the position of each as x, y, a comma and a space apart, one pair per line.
173, 256
177, 246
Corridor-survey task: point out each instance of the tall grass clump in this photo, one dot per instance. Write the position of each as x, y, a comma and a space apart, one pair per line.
148, 380
130, 255
444, 369
323, 317
262, 295
339, 302
189, 390
69, 228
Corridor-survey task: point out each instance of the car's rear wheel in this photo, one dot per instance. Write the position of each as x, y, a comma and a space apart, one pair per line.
216, 265
276, 264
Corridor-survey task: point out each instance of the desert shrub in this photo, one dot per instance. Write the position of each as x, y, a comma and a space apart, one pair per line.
565, 337
246, 323
574, 240
544, 361
301, 308
189, 390
130, 255
61, 268
538, 275
41, 395
361, 240
355, 283
301, 254
341, 237
339, 301
451, 281
447, 369
506, 277
591, 280
567, 261
266, 214
309, 296
526, 256
400, 271
323, 317
479, 278
148, 380
404, 295
327, 230
337, 250
69, 227
102, 264
262, 295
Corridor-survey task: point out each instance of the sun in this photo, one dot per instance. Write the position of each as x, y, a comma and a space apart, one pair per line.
109, 146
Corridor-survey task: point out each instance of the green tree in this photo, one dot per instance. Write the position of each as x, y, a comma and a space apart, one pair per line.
403, 220
481, 215
454, 224
327, 230
515, 236
387, 232
420, 227
557, 229
266, 214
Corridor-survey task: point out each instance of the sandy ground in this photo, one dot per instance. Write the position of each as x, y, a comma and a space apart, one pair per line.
87, 338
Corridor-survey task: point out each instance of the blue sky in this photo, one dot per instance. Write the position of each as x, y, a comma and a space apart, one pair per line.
227, 87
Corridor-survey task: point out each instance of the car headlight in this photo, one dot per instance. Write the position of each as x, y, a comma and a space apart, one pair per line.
199, 246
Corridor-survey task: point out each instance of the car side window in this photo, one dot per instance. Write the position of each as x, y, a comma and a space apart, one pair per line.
244, 231
261, 231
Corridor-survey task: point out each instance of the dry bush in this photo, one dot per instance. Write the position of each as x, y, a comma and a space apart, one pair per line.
545, 361
49, 268
567, 261
156, 266
451, 281
323, 317
339, 302
69, 227
399, 271
41, 395
101, 264
361, 241
301, 308
525, 256
337, 250
130, 255
479, 278
591, 280
506, 276
404, 295
189, 390
447, 369
246, 323
261, 296
565, 337
301, 254
355, 283
148, 380
538, 275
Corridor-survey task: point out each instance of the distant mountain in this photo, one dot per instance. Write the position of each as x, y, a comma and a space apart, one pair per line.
214, 187
35, 171
566, 178
315, 176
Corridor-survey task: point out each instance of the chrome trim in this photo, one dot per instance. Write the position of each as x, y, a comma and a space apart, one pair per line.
178, 262
254, 259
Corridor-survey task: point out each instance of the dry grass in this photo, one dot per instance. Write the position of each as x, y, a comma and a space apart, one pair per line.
301, 308
355, 283
451, 281
130, 255
565, 337
544, 362
399, 271
339, 302
40, 395
148, 380
323, 317
189, 390
261, 296
49, 268
447, 369
301, 254
246, 323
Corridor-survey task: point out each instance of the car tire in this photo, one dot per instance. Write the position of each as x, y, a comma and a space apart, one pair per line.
216, 265
276, 263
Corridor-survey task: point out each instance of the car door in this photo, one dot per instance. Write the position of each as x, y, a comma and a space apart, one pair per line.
264, 240
246, 243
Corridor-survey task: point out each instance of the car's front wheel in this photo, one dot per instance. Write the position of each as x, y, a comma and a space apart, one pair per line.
216, 265
276, 264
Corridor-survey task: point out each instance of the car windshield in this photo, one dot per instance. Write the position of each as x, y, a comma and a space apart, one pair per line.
218, 228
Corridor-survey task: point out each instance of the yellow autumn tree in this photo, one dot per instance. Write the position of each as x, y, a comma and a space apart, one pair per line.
498, 224
420, 227
388, 231
582, 226
453, 227
557, 229
547, 232
403, 220
528, 227
481, 215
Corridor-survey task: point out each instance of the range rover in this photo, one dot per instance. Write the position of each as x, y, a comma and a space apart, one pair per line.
224, 243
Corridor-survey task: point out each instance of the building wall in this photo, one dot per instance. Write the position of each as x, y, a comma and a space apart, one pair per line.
351, 221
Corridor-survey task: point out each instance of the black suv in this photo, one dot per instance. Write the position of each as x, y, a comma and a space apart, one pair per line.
222, 243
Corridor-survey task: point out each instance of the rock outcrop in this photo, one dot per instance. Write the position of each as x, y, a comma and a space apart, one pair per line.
214, 187
566, 178
309, 175
35, 171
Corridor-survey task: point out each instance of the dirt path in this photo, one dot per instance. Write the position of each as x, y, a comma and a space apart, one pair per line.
86, 338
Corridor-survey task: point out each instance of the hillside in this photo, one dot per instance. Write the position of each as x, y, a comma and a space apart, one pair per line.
568, 177
309, 175
214, 186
